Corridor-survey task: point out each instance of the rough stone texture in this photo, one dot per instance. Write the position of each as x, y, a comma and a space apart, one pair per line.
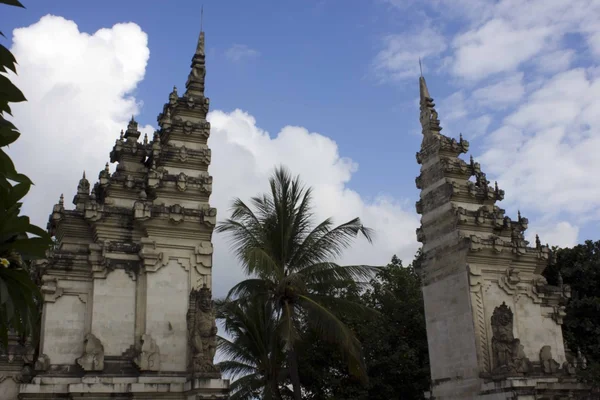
129, 257
493, 322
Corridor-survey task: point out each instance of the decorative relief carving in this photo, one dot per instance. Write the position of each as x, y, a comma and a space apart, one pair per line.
148, 358
203, 253
548, 364
476, 284
51, 291
152, 259
202, 331
93, 354
42, 363
508, 355
182, 182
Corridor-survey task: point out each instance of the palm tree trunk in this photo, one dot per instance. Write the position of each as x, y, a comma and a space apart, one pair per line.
294, 376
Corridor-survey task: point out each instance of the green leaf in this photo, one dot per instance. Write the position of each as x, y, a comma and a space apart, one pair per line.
18, 192
7, 60
4, 297
9, 92
29, 248
8, 133
15, 3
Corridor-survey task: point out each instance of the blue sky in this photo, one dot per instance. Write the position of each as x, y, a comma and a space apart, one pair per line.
519, 79
313, 70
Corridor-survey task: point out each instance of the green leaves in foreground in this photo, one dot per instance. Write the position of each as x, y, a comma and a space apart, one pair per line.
20, 240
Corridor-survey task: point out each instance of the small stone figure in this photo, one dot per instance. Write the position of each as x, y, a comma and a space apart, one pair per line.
203, 331
508, 353
549, 365
93, 354
148, 358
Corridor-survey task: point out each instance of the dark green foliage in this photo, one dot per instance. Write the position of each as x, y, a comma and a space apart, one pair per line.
255, 352
580, 269
19, 295
394, 343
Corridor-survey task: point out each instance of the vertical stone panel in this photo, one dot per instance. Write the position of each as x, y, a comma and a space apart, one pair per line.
450, 334
64, 329
113, 314
167, 302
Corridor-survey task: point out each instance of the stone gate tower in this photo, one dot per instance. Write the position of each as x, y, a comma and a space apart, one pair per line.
127, 291
493, 322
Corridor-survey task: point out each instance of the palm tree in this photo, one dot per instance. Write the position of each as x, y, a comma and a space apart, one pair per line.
291, 263
255, 352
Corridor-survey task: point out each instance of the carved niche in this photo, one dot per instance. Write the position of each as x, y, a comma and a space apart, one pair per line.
202, 332
93, 354
507, 351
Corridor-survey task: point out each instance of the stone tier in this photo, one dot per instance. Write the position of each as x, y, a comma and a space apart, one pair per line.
444, 146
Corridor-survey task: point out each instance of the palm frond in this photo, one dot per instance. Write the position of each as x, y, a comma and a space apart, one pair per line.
331, 272
250, 288
324, 244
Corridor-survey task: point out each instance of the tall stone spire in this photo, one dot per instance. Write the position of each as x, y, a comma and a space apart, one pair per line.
132, 267
480, 276
195, 82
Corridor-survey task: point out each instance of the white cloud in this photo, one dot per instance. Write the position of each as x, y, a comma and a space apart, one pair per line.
399, 58
79, 89
555, 61
545, 155
562, 234
501, 94
239, 52
496, 47
512, 32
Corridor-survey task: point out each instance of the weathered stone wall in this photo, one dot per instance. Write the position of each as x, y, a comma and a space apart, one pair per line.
449, 321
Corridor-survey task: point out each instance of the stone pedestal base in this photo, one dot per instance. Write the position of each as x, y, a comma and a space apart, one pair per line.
522, 388
143, 387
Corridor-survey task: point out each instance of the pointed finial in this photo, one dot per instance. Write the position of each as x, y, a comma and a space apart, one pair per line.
121, 137
519, 215
132, 119
460, 138
201, 17
496, 186
61, 200
83, 174
423, 90
420, 67
106, 167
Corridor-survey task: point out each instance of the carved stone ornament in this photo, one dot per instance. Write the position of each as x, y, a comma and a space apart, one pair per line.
93, 354
181, 182
508, 355
202, 331
148, 358
42, 363
548, 364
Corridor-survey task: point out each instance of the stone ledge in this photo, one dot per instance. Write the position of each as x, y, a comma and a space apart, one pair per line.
100, 385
